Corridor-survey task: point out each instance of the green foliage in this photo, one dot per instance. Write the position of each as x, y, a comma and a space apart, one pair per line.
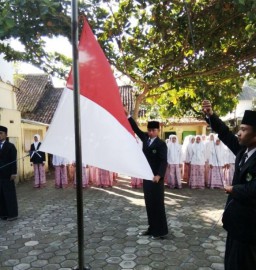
174, 66
30, 22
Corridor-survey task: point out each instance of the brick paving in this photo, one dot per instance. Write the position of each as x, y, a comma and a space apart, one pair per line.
45, 234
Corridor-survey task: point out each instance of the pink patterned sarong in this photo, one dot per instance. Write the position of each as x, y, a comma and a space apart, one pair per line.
174, 177
61, 176
216, 177
197, 173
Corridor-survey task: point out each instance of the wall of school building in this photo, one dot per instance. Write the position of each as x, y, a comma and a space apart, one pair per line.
181, 130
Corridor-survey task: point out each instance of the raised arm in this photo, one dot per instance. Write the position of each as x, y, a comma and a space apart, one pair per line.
225, 135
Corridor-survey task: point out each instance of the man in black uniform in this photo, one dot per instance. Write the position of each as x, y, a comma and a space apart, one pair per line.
155, 151
239, 217
8, 171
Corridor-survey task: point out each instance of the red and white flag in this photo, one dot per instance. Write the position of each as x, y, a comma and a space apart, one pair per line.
107, 139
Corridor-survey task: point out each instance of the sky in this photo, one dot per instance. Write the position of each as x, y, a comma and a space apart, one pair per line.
52, 44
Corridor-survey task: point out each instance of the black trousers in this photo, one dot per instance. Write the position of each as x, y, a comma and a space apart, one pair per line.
239, 255
154, 200
8, 199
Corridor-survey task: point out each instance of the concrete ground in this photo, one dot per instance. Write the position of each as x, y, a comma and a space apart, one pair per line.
45, 234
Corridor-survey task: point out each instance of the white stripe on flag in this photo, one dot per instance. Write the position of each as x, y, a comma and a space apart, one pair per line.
106, 143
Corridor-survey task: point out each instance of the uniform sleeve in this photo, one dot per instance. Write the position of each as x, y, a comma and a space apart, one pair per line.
136, 129
225, 135
13, 157
245, 193
163, 159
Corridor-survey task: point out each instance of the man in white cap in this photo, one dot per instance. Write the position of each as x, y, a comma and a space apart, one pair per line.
8, 172
239, 217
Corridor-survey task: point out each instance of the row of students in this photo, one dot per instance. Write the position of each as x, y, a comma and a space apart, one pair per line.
201, 161
65, 174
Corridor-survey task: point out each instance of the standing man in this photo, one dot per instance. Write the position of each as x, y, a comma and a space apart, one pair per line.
8, 173
37, 159
155, 151
239, 217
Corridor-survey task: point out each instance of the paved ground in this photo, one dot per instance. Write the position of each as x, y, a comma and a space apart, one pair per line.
45, 235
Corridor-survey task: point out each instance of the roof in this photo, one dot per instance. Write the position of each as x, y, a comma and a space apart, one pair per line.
37, 98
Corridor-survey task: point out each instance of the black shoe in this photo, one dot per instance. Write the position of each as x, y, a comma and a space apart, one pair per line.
144, 233
11, 218
161, 237
3, 218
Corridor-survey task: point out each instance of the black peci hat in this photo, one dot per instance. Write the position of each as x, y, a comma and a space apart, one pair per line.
153, 124
4, 129
249, 118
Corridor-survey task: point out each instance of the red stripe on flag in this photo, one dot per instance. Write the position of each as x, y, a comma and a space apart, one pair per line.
97, 82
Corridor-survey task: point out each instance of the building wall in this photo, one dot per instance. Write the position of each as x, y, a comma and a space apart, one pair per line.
8, 96
179, 129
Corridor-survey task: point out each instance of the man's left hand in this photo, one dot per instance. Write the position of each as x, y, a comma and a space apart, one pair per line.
13, 177
228, 189
156, 178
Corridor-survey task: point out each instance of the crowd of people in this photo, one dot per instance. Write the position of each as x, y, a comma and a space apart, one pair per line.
201, 161
65, 174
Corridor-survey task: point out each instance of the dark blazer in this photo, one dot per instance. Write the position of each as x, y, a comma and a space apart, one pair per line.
8, 154
38, 156
239, 217
156, 153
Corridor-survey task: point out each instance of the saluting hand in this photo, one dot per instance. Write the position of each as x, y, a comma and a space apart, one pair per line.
126, 110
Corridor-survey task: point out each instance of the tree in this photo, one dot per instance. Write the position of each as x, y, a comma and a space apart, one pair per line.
176, 53
30, 22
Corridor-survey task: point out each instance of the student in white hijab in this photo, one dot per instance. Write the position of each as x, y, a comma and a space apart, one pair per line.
186, 156
217, 161
174, 162
229, 167
37, 159
61, 175
197, 163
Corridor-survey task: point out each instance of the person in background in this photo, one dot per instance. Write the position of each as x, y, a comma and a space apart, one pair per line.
155, 150
208, 148
37, 159
61, 176
105, 178
197, 164
8, 173
239, 217
174, 163
217, 161
71, 172
186, 156
136, 182
229, 167
85, 176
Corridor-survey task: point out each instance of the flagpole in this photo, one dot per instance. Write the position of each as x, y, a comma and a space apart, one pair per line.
77, 121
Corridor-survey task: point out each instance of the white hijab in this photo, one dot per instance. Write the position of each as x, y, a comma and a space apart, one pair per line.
38, 140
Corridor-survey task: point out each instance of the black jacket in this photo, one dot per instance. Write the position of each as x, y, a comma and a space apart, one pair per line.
156, 153
8, 155
36, 156
239, 217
